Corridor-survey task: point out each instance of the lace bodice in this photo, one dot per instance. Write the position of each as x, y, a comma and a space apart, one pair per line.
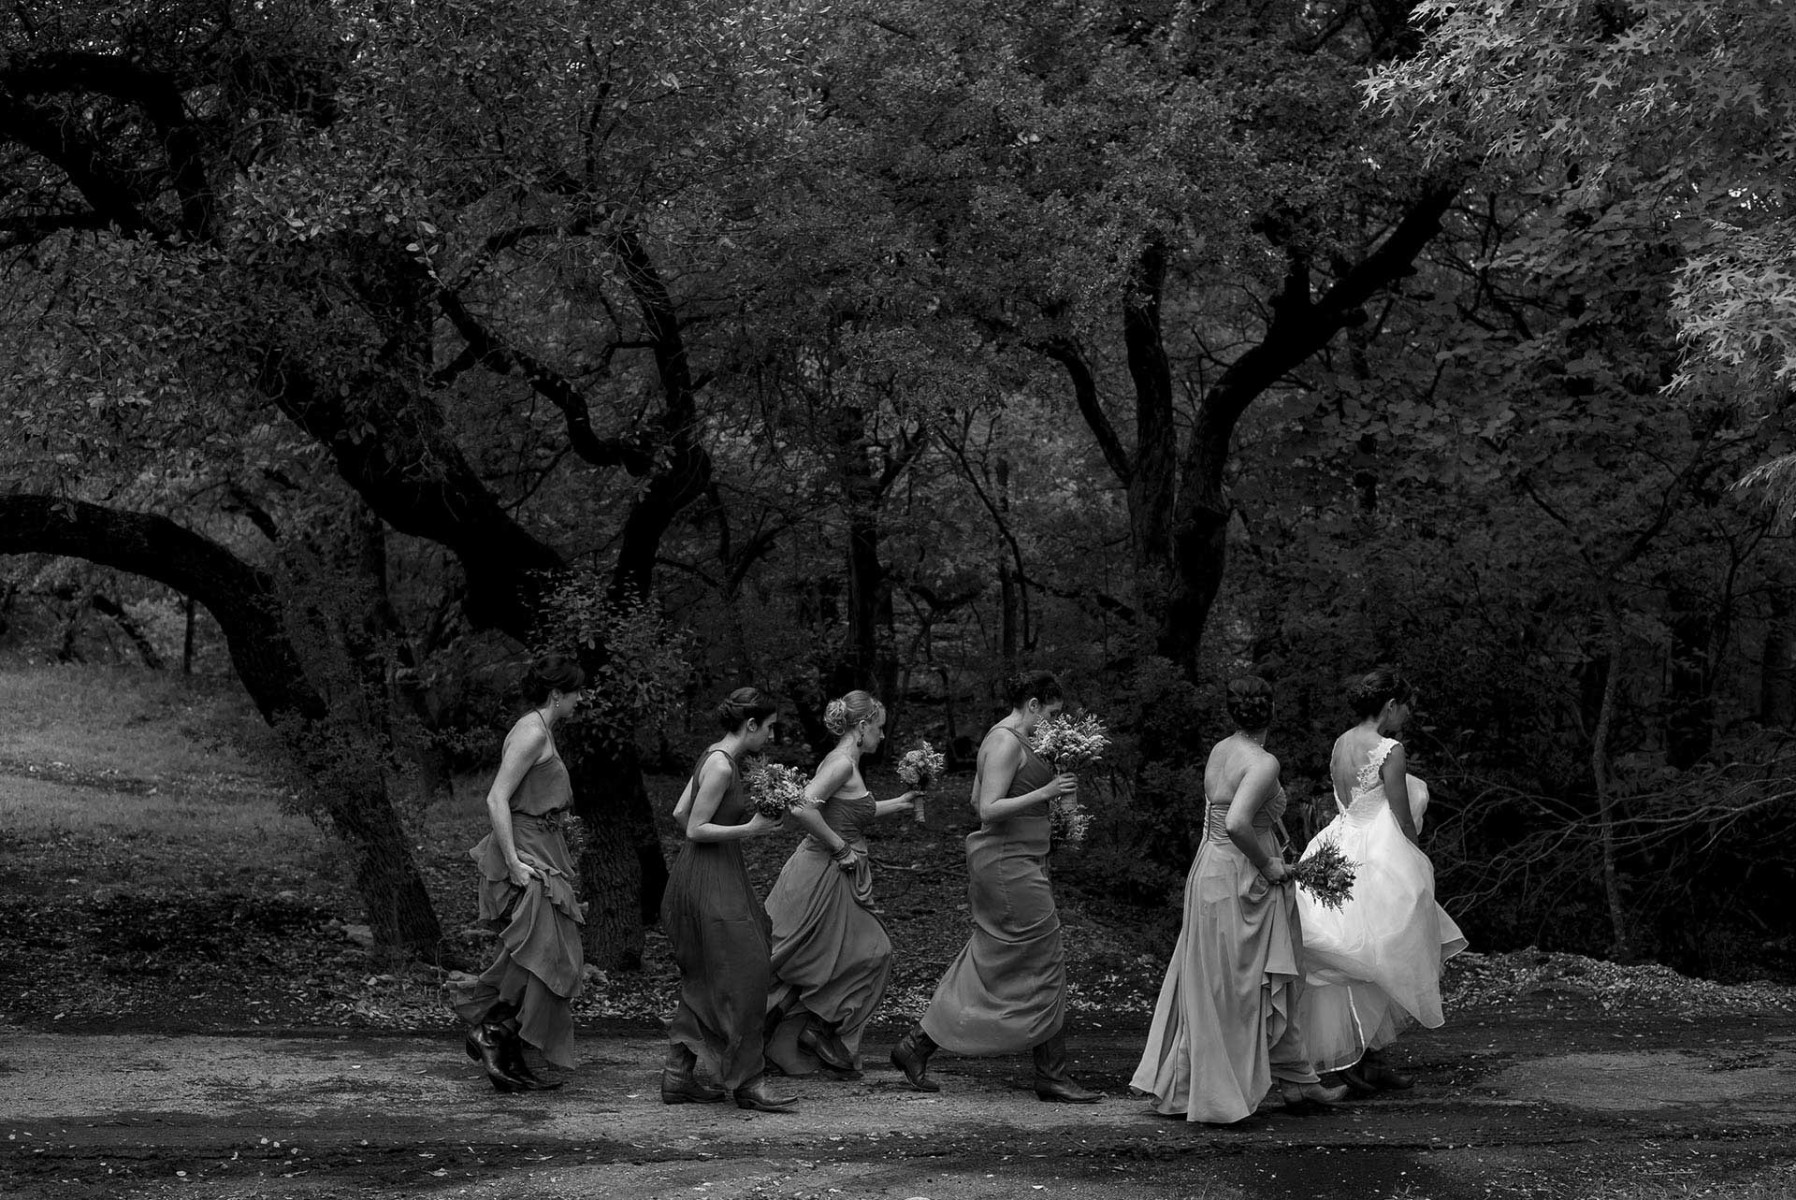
1368, 777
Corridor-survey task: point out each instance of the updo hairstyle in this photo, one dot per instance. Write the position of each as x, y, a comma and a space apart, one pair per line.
845, 712
550, 673
1250, 702
743, 705
1032, 685
1367, 694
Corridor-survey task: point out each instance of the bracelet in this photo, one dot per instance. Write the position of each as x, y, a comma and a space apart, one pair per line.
842, 854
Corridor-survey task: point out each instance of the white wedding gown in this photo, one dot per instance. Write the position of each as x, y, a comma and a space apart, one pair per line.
1373, 966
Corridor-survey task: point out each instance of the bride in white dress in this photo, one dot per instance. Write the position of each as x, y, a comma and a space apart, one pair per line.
1373, 966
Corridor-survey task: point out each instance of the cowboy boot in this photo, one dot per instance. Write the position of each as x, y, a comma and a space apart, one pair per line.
1051, 1080
1300, 1095
911, 1055
754, 1096
511, 1057
482, 1046
1381, 1075
679, 1083
821, 1042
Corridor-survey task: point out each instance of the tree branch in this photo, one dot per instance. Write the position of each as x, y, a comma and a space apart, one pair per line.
503, 358
1085, 394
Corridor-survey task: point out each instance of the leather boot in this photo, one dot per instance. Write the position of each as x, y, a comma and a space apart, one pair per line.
911, 1055
679, 1082
1051, 1080
1379, 1074
820, 1041
511, 1057
483, 1046
754, 1095
1302, 1095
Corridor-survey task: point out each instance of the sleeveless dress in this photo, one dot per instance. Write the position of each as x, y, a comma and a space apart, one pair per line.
1374, 965
538, 967
1007, 989
1226, 1024
831, 955
719, 935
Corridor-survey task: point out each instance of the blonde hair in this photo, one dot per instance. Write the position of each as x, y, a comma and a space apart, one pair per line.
848, 711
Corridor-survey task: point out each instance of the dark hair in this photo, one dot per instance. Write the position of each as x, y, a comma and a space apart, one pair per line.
743, 705
550, 673
1250, 702
1367, 694
1031, 685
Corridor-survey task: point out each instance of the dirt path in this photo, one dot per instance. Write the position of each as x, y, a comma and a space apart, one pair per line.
1521, 1104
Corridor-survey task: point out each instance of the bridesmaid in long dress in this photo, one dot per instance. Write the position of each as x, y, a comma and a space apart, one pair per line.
527, 895
1374, 964
717, 927
831, 955
1007, 989
1225, 1027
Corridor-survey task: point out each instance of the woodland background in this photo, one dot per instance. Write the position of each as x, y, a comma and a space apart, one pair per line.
358, 348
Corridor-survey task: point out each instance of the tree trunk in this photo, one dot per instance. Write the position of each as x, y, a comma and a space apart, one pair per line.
622, 871
1690, 702
1605, 787
187, 609
1008, 585
68, 651
1777, 661
246, 603
866, 575
1199, 540
106, 606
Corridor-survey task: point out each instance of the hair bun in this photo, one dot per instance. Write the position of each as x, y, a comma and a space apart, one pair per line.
743, 705
1250, 702
835, 717
1368, 694
845, 712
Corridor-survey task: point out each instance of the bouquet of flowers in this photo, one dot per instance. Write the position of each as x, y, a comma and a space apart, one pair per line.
1071, 745
1326, 875
918, 767
1074, 745
774, 789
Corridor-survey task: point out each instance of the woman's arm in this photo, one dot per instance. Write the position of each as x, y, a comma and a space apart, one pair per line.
999, 759
898, 804
522, 749
831, 774
1257, 786
713, 782
1396, 791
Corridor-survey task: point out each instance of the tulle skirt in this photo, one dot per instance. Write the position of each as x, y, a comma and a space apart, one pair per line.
1373, 966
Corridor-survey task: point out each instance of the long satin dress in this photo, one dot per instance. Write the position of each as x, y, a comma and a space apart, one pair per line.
1225, 1024
831, 956
1374, 964
1007, 989
719, 934
538, 968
